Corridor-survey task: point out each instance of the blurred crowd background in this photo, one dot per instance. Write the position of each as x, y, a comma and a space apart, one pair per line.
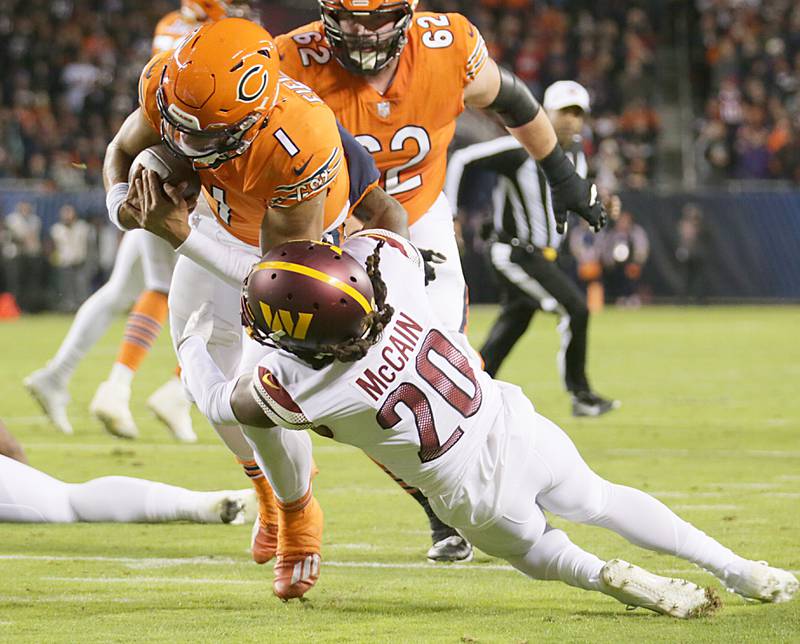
686, 95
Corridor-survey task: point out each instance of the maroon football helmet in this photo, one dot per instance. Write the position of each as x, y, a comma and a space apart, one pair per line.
304, 295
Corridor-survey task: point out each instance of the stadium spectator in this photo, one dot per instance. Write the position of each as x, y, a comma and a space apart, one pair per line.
23, 250
70, 72
691, 253
752, 56
71, 239
624, 249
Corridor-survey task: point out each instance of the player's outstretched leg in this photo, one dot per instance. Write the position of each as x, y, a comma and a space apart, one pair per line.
555, 558
576, 493
111, 402
123, 499
28, 495
49, 384
285, 457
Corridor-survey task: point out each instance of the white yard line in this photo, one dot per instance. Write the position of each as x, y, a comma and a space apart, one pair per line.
152, 562
700, 453
690, 506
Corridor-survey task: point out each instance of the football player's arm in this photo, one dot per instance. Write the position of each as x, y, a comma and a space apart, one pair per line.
9, 446
301, 221
380, 210
370, 204
503, 92
220, 400
133, 136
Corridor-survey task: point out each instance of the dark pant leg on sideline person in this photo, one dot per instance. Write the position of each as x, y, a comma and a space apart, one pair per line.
534, 282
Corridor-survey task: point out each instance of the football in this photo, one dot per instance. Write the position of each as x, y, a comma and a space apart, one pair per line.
171, 168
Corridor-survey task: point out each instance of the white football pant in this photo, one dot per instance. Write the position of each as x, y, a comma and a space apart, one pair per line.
284, 455
448, 292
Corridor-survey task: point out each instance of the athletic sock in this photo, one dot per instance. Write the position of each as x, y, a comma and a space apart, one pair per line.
267, 508
144, 325
121, 374
555, 558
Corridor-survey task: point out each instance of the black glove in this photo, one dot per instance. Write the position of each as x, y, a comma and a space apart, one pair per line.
571, 193
430, 258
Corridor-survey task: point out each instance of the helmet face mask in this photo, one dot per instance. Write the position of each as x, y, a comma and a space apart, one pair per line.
205, 148
217, 90
366, 41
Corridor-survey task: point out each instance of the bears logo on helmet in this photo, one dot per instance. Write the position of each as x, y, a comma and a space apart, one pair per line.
366, 35
304, 295
217, 90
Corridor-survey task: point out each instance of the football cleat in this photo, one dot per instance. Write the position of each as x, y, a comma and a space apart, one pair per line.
263, 541
171, 407
763, 583
111, 406
586, 403
299, 543
451, 549
51, 396
636, 587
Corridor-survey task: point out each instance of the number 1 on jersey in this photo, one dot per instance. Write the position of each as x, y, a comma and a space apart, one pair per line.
223, 209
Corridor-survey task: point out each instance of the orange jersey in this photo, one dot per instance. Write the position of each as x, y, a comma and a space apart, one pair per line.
297, 156
409, 128
170, 29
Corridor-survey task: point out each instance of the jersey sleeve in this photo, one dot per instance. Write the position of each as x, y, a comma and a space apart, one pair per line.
470, 48
275, 401
302, 50
148, 85
397, 245
363, 172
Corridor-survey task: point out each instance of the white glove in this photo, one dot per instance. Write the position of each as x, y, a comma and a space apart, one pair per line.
200, 324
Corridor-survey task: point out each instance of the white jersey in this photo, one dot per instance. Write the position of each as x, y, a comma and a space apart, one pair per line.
418, 403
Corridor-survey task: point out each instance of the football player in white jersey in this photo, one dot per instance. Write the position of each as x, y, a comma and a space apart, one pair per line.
362, 359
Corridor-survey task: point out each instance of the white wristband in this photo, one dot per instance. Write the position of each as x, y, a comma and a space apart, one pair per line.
115, 197
227, 262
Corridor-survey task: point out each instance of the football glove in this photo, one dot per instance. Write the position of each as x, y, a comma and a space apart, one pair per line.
429, 259
571, 193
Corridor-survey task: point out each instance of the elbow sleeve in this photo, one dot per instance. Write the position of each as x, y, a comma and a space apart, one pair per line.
514, 102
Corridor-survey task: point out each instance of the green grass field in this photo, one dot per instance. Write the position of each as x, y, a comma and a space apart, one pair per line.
710, 424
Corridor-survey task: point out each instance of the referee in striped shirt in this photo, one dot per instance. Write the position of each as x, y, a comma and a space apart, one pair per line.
525, 245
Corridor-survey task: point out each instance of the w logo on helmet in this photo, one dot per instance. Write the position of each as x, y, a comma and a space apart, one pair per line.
257, 74
283, 323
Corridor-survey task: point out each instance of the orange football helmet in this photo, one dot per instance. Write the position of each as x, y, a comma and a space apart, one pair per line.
366, 35
204, 10
217, 90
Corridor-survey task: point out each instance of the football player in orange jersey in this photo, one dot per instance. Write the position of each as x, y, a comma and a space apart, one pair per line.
176, 24
141, 277
272, 166
397, 79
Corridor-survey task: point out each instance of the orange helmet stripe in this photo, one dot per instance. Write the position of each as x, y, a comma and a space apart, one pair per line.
318, 275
